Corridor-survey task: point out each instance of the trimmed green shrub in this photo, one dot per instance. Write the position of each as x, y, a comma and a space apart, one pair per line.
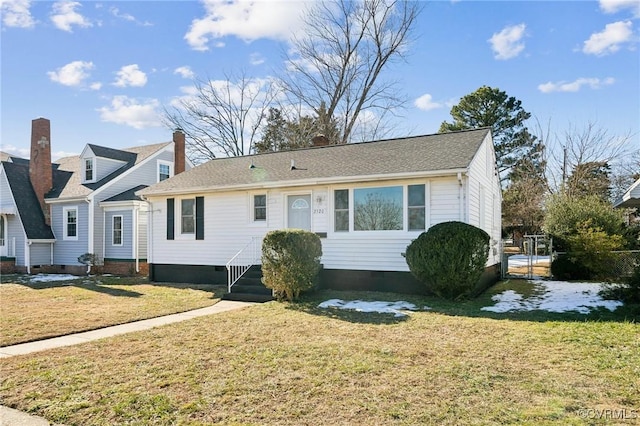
290, 262
565, 267
449, 258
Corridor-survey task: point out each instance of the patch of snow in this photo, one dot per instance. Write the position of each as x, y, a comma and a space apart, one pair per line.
395, 308
523, 260
40, 278
556, 296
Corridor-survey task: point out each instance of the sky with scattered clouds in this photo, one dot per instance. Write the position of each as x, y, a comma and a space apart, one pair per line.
103, 71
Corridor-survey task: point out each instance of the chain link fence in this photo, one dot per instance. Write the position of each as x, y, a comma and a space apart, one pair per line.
622, 263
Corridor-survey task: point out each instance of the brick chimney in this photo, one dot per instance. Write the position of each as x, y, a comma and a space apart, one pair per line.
179, 152
40, 172
320, 140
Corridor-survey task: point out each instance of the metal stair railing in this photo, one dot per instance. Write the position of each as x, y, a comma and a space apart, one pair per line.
243, 261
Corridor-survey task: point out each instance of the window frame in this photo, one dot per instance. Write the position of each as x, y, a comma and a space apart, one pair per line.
183, 216
410, 207
86, 161
65, 223
113, 230
382, 233
254, 208
161, 163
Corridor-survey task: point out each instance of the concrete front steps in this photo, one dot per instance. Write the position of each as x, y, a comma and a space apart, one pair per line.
249, 288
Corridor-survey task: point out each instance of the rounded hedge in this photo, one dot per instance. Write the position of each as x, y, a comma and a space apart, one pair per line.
449, 258
290, 261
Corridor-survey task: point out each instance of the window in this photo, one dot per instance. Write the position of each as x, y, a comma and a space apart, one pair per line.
70, 217
260, 207
376, 209
117, 230
165, 170
88, 169
188, 216
341, 210
416, 207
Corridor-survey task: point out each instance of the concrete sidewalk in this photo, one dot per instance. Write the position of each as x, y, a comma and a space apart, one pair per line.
11, 417
87, 336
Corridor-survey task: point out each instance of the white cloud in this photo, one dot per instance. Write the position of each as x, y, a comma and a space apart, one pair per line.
246, 19
614, 6
574, 86
95, 86
64, 16
185, 72
426, 103
16, 13
73, 74
256, 59
610, 39
130, 75
128, 17
508, 43
16, 151
131, 112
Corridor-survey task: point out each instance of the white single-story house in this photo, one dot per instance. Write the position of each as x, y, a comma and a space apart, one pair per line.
51, 213
367, 202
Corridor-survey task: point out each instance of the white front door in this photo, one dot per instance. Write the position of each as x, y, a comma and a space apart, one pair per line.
3, 236
299, 211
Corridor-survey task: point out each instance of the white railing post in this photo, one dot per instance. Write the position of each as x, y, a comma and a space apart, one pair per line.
242, 261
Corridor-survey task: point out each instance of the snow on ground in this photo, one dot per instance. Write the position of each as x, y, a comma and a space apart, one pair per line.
555, 296
523, 260
395, 308
41, 278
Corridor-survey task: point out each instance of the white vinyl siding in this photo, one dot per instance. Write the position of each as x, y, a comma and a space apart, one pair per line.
66, 252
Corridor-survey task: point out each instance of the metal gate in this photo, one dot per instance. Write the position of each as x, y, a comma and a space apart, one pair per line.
529, 257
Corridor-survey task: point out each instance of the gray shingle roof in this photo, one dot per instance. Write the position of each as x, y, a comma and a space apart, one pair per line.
431, 153
128, 195
73, 186
27, 201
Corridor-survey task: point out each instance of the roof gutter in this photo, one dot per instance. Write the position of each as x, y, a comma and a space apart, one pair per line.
305, 182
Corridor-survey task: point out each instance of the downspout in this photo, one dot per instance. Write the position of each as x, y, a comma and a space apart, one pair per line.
51, 251
27, 255
460, 198
136, 225
90, 230
104, 233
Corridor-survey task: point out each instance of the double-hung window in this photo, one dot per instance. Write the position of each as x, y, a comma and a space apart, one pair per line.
165, 170
341, 210
117, 230
260, 208
188, 222
88, 169
417, 207
70, 224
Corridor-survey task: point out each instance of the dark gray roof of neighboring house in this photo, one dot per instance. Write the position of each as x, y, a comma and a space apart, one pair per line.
128, 195
27, 201
112, 153
73, 186
430, 153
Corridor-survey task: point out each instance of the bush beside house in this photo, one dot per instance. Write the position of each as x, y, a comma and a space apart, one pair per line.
449, 258
290, 262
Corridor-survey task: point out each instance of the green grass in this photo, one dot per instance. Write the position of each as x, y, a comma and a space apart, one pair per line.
32, 311
294, 363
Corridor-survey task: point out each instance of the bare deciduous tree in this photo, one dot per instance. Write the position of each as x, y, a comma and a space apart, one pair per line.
340, 59
222, 117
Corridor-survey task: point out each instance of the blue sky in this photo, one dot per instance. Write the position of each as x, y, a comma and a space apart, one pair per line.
102, 71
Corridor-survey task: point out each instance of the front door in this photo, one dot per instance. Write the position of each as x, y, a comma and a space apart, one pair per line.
299, 212
3, 236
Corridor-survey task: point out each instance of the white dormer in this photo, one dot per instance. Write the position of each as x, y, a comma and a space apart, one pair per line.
94, 167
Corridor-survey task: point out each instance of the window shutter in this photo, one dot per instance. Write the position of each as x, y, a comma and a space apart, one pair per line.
170, 218
199, 218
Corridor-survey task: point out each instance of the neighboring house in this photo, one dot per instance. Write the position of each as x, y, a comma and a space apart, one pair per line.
52, 213
630, 200
366, 201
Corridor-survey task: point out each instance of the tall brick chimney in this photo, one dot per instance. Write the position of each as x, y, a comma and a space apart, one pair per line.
40, 172
179, 152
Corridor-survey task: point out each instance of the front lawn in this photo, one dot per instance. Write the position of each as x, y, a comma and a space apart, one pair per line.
33, 309
296, 364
